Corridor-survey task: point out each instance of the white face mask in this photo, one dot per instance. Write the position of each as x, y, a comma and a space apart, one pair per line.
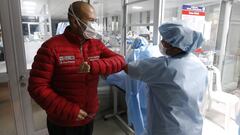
162, 50
91, 31
92, 28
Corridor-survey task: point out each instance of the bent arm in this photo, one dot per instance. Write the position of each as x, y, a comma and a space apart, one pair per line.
109, 62
40, 87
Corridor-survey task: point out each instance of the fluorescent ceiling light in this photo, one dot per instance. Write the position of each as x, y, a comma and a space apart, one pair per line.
29, 11
136, 7
29, 8
29, 3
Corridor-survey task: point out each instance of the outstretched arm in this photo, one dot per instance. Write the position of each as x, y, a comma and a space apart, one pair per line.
109, 62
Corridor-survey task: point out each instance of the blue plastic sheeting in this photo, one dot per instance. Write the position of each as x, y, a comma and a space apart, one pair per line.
136, 91
238, 116
238, 113
136, 103
238, 119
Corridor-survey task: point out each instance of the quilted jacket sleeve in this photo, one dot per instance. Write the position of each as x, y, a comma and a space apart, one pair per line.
40, 88
109, 62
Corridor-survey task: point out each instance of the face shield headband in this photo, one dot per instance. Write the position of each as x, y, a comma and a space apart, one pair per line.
90, 28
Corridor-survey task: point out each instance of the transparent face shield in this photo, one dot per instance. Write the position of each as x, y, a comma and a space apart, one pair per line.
91, 30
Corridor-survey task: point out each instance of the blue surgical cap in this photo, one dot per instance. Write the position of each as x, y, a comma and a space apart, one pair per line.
181, 36
138, 42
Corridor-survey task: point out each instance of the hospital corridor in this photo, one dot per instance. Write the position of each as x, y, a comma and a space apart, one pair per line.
119, 67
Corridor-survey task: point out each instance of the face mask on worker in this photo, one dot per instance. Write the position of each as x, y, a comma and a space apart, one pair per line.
162, 50
91, 28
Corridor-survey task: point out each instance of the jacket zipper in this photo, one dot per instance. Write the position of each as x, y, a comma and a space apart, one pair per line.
86, 77
81, 53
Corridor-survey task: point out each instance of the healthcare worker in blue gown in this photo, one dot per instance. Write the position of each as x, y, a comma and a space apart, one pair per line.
176, 83
135, 91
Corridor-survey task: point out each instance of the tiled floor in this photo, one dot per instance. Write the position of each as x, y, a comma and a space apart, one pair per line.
101, 127
109, 127
7, 126
213, 125
6, 119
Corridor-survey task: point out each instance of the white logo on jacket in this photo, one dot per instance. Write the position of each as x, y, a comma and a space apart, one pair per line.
92, 58
66, 59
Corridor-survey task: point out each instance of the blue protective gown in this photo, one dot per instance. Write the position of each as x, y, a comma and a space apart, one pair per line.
176, 87
136, 91
238, 122
238, 116
136, 106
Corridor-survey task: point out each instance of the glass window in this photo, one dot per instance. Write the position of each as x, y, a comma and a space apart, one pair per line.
129, 1
7, 122
209, 19
37, 26
135, 31
34, 28
140, 13
173, 11
30, 19
109, 14
25, 29
231, 66
2, 54
139, 22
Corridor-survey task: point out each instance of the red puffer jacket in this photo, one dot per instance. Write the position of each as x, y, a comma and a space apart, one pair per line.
56, 84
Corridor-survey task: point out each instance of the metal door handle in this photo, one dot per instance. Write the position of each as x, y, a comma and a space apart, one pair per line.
23, 81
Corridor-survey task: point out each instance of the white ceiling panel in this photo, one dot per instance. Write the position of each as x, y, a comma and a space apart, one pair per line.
58, 8
31, 7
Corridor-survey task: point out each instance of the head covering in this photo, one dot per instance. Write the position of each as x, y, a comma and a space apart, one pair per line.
138, 42
181, 36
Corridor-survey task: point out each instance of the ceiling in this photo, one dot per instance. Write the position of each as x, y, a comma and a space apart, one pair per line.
32, 6
58, 8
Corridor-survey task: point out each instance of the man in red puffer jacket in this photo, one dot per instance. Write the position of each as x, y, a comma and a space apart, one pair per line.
65, 72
